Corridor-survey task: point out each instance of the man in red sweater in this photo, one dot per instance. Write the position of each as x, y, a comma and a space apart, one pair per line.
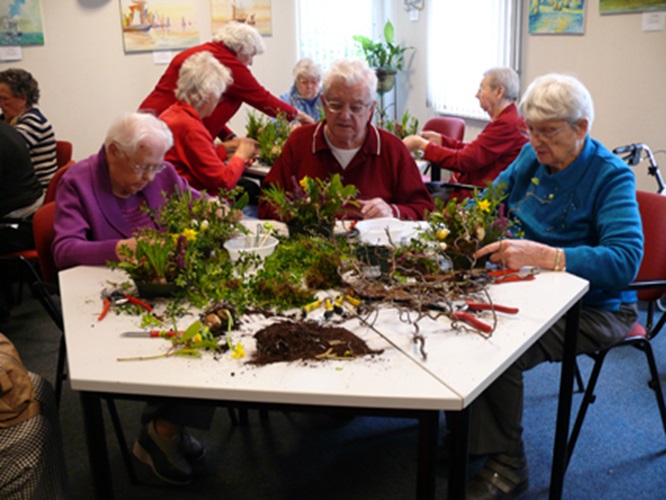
235, 45
480, 161
347, 143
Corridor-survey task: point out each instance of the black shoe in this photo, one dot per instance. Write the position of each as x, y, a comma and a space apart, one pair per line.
162, 455
502, 476
190, 447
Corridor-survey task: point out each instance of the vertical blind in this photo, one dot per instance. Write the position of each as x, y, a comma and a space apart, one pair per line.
466, 38
326, 27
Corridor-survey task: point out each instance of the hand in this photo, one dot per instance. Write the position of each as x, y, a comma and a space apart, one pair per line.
375, 208
431, 136
415, 143
130, 243
304, 118
231, 145
247, 148
514, 254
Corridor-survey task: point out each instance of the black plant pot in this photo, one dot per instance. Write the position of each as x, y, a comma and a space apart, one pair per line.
385, 80
153, 290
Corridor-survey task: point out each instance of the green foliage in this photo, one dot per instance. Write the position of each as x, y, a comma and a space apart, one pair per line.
270, 134
408, 124
383, 54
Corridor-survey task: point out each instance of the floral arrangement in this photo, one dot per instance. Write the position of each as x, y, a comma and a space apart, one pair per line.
270, 134
459, 229
183, 247
408, 124
312, 205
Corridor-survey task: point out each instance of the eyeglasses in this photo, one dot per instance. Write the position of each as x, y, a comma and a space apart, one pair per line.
355, 109
145, 169
308, 81
543, 134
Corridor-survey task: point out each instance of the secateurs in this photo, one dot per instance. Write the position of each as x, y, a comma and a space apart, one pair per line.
464, 311
117, 298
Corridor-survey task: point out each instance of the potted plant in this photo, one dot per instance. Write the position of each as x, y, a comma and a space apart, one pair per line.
385, 56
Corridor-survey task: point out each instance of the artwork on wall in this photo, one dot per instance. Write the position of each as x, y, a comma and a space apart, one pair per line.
159, 24
256, 13
21, 22
557, 17
620, 6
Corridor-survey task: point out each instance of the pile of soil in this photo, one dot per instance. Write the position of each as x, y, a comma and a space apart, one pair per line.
306, 340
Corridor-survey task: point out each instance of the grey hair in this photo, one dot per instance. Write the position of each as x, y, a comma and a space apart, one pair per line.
507, 78
242, 38
557, 97
306, 67
201, 78
132, 132
21, 84
352, 72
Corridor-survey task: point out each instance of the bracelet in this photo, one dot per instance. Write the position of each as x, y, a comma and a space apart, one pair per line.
558, 259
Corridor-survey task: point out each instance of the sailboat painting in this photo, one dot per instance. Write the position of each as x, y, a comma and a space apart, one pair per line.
21, 22
150, 25
256, 13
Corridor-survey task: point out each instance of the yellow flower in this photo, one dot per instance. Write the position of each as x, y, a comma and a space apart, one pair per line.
197, 338
204, 225
442, 234
190, 234
484, 205
238, 351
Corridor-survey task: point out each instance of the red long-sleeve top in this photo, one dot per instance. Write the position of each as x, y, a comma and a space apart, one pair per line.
481, 160
382, 168
244, 89
194, 154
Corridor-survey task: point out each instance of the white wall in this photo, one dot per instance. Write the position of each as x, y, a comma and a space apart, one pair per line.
86, 79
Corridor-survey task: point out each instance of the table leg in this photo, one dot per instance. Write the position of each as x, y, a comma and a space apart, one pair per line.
459, 431
98, 455
564, 403
427, 458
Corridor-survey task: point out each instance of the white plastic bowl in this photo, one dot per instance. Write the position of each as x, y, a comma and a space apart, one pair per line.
374, 231
239, 245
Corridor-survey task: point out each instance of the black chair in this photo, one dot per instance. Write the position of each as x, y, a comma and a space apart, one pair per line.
651, 286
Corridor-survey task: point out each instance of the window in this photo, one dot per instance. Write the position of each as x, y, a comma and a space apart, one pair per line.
325, 28
464, 40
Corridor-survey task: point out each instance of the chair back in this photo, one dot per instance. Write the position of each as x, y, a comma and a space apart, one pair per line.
63, 153
653, 267
447, 125
44, 232
53, 183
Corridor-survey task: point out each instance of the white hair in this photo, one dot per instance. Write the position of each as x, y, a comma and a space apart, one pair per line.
352, 72
201, 78
307, 68
557, 97
242, 38
132, 132
507, 78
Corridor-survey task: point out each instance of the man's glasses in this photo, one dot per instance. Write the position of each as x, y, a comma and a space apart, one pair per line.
543, 134
145, 169
356, 108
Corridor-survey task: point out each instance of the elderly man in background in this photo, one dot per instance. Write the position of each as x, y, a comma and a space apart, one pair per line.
480, 161
201, 82
305, 93
235, 45
576, 203
347, 143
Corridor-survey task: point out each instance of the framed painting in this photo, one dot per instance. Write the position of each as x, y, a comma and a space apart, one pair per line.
256, 13
150, 25
21, 22
557, 17
624, 6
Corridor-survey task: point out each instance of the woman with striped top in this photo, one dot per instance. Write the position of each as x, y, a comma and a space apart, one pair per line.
19, 94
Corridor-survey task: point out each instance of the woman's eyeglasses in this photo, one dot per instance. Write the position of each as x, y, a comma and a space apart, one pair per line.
543, 134
145, 169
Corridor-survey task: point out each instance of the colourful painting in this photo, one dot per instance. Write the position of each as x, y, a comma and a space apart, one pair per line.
150, 25
557, 17
619, 6
21, 22
256, 13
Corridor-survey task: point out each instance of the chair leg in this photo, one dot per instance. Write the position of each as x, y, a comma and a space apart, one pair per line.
120, 435
654, 382
60, 369
579, 378
588, 398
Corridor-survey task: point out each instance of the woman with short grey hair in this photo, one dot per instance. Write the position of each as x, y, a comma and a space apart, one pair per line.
305, 93
202, 81
234, 47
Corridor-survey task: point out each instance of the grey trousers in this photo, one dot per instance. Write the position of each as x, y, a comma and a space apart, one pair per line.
496, 415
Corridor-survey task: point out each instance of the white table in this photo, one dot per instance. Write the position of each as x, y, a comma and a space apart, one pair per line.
459, 367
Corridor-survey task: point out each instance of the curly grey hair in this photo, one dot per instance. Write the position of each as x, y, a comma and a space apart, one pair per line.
557, 97
507, 78
242, 38
352, 72
201, 78
21, 84
132, 132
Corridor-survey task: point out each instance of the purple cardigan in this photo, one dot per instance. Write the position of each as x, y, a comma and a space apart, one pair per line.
88, 221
